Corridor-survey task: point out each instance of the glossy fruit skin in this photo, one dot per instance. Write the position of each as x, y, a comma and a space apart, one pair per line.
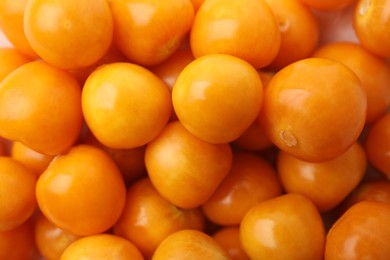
51, 241
10, 59
217, 103
327, 183
135, 96
286, 227
251, 180
43, 112
190, 244
244, 28
299, 30
141, 28
305, 112
33, 160
100, 247
362, 232
364, 64
148, 218
229, 239
372, 26
17, 193
184, 169
59, 31
377, 144
82, 192
11, 24
18, 243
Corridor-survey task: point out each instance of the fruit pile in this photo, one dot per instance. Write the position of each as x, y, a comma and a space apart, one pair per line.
195, 129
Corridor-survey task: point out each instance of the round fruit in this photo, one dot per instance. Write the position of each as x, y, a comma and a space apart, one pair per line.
364, 64
246, 29
217, 103
362, 232
138, 100
69, 34
184, 169
286, 227
326, 183
40, 106
82, 191
149, 31
372, 25
306, 112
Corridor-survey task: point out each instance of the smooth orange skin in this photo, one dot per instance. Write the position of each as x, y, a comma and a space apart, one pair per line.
11, 24
299, 30
362, 232
372, 190
149, 31
40, 106
306, 112
10, 59
229, 239
17, 193
138, 100
33, 160
286, 227
251, 180
327, 183
364, 64
372, 26
184, 169
129, 161
148, 218
244, 28
328, 5
190, 244
101, 247
82, 192
377, 144
69, 34
51, 241
217, 103
18, 243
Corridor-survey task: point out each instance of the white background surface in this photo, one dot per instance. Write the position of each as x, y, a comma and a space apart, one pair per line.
3, 41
